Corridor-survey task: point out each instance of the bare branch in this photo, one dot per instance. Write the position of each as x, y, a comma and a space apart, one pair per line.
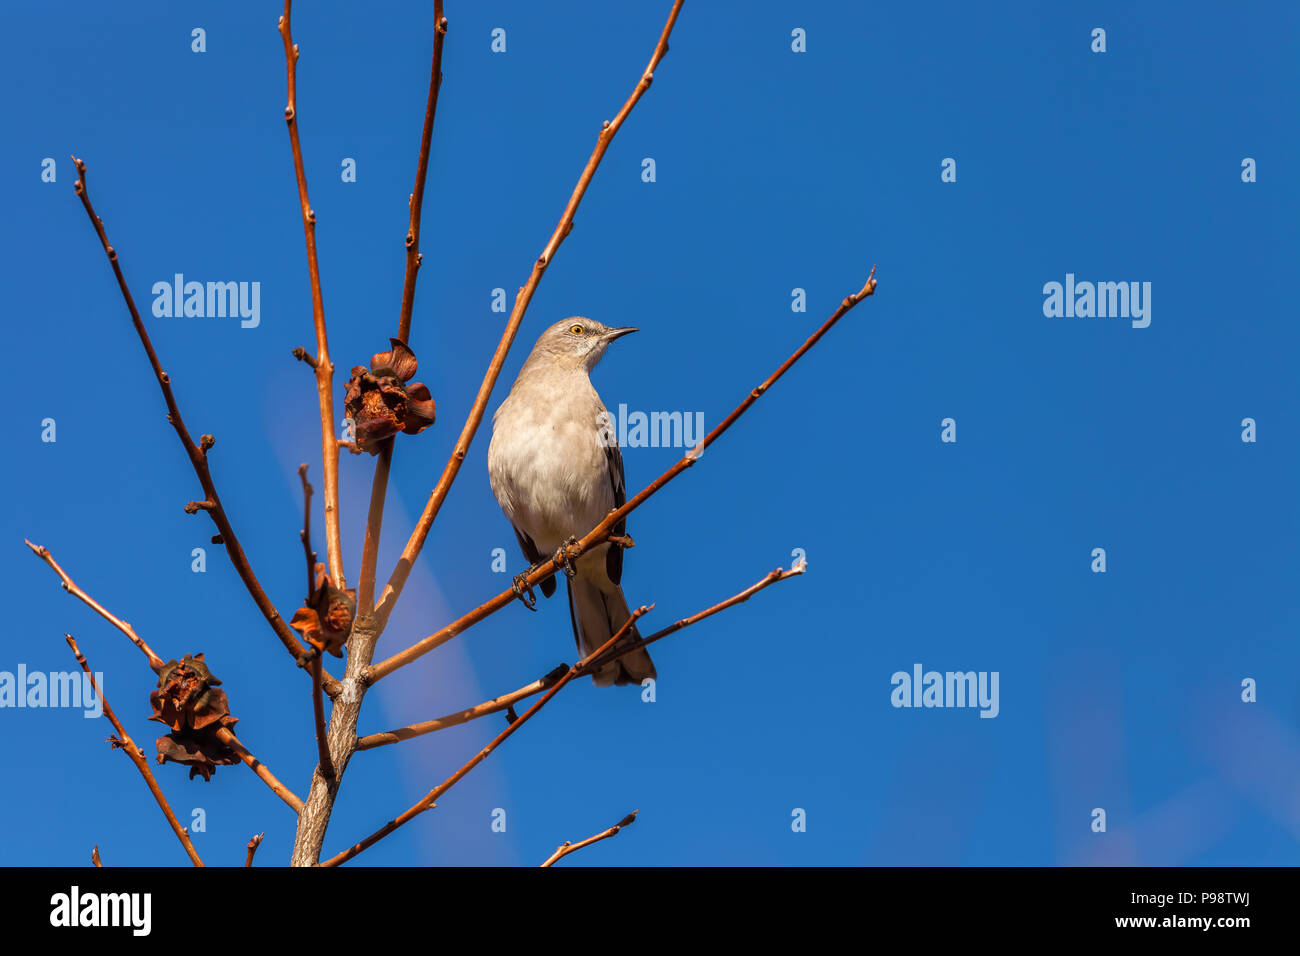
397, 579
493, 706
198, 455
383, 464
253, 844
374, 522
507, 701
413, 256
70, 586
431, 798
259, 768
155, 662
305, 534
317, 668
323, 366
565, 848
128, 745
324, 764
603, 530
772, 577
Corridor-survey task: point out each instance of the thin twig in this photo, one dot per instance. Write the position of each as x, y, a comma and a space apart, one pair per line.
397, 579
324, 368
413, 257
70, 586
384, 461
156, 662
374, 522
317, 667
565, 848
430, 799
505, 701
493, 706
259, 768
305, 534
602, 531
324, 764
128, 745
253, 844
332, 686
772, 577
198, 454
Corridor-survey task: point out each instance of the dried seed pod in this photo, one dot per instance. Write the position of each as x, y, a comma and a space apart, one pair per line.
383, 400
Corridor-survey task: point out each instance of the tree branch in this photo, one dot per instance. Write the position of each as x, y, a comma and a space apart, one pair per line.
253, 844
603, 530
374, 523
323, 367
397, 579
772, 577
198, 454
324, 763
155, 661
565, 848
413, 257
305, 534
128, 745
431, 798
259, 768
70, 586
493, 706
317, 667
505, 701
384, 461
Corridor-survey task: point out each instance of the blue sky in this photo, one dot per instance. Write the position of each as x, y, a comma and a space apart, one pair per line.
775, 170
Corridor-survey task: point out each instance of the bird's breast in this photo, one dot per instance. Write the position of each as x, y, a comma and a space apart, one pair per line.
548, 468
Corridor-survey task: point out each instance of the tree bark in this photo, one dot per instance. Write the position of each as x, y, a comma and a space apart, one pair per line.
342, 735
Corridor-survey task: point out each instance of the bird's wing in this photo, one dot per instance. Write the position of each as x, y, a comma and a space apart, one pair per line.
614, 556
533, 555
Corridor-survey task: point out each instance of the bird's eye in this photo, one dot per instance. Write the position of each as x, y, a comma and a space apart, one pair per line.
576, 329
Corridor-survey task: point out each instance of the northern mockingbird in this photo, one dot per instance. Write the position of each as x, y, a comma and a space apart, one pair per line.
556, 472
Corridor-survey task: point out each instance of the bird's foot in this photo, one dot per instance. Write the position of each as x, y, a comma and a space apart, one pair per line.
562, 560
524, 591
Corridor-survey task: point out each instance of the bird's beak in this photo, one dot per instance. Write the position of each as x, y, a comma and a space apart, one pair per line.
613, 334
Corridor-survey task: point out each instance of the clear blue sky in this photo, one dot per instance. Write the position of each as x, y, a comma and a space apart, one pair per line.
775, 170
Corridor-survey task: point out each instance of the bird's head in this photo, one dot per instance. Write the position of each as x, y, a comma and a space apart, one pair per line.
577, 341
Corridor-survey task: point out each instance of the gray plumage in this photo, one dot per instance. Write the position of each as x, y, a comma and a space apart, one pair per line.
556, 474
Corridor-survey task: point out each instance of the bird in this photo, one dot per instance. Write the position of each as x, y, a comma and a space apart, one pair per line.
556, 472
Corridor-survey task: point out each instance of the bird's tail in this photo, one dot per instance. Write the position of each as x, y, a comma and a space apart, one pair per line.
597, 616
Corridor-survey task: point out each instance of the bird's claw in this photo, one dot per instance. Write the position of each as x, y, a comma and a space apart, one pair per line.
524, 591
562, 561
